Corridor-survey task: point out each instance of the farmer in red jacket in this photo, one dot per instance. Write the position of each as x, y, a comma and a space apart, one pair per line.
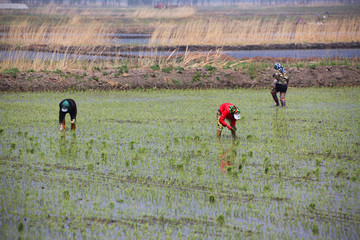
231, 113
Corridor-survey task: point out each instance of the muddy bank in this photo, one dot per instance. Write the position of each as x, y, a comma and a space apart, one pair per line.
146, 78
119, 49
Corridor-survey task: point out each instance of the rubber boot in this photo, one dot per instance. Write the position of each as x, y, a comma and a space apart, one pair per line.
233, 133
63, 124
73, 126
275, 99
218, 134
283, 103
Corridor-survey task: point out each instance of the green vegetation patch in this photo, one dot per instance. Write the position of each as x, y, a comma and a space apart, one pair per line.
13, 72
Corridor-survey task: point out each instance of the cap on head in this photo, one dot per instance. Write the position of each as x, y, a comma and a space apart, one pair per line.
237, 116
235, 111
278, 66
65, 105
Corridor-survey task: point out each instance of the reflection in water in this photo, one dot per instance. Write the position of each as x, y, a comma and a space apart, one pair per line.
226, 155
296, 53
68, 149
280, 128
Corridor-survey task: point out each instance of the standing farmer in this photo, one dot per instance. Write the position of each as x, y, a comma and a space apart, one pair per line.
231, 113
67, 106
280, 84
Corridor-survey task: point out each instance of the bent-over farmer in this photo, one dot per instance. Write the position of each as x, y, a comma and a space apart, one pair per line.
279, 84
67, 106
231, 113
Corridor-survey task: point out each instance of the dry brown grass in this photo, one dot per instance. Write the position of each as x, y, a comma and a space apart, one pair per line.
255, 31
181, 12
16, 60
69, 33
55, 10
51, 63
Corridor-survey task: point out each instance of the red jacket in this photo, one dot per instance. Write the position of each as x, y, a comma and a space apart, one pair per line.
225, 114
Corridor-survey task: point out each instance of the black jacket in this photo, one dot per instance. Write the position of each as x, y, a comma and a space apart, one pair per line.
72, 110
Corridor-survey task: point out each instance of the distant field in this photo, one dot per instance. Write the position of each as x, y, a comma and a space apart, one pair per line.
147, 164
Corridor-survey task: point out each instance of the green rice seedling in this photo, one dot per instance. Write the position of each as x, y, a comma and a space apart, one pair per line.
199, 170
168, 69
13, 72
176, 82
196, 77
21, 227
220, 219
315, 229
155, 67
179, 69
210, 68
180, 166
312, 207
131, 145
66, 194
90, 166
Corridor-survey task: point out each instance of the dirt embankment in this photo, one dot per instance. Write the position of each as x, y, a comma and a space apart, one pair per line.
145, 78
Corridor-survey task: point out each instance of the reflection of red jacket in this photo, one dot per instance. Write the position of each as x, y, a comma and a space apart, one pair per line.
225, 114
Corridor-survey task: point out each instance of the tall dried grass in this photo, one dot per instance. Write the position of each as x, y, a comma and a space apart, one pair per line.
68, 32
17, 59
255, 31
56, 10
181, 12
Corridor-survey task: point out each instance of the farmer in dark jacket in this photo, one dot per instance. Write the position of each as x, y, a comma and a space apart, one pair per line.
280, 84
67, 106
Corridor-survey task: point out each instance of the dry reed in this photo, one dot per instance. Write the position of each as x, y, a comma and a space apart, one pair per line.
55, 10
181, 12
52, 62
255, 31
68, 32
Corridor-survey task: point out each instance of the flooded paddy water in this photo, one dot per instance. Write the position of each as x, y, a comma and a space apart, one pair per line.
289, 53
148, 165
139, 41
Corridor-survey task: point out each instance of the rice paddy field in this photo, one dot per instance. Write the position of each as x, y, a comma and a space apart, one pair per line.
147, 165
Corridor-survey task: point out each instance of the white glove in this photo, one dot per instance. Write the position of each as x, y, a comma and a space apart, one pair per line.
73, 121
61, 127
274, 83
